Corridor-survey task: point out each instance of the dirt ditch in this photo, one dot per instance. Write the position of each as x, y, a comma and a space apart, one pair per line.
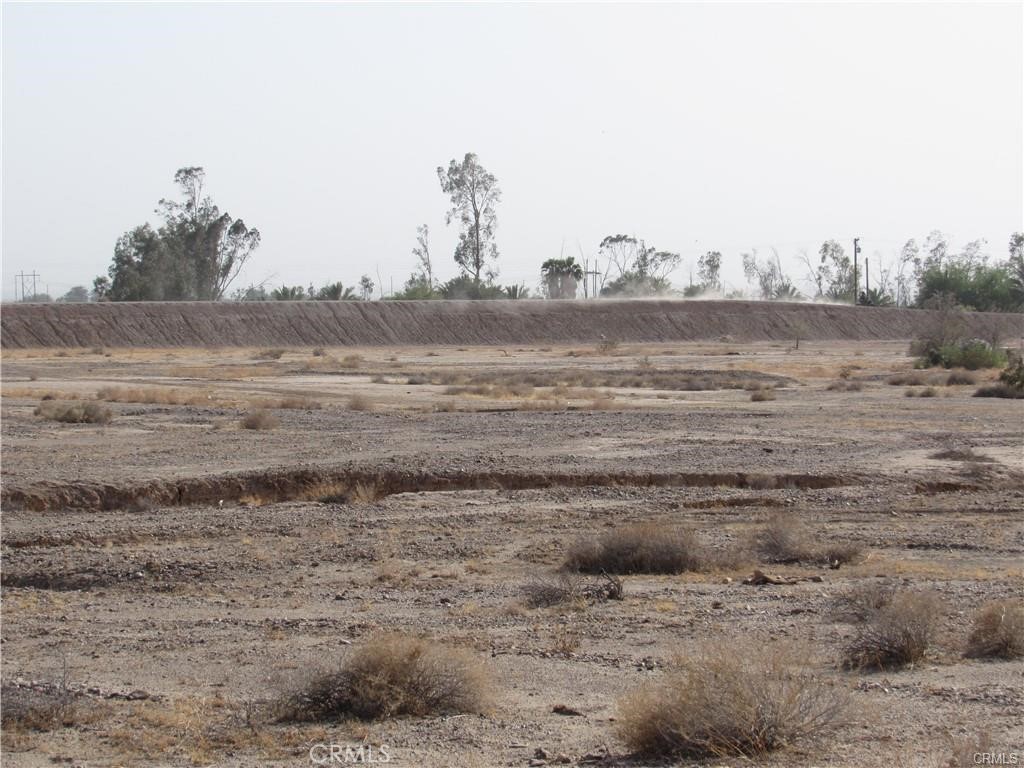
348, 485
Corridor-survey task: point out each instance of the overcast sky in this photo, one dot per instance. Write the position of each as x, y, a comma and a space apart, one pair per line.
694, 126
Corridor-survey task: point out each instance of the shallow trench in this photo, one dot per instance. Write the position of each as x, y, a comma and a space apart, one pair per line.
343, 485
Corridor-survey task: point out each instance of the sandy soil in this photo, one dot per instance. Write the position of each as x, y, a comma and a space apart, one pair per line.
176, 625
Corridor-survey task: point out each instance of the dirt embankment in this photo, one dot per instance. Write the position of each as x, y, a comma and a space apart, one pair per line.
317, 484
202, 324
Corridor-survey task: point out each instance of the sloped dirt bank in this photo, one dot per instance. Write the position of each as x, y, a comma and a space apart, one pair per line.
355, 323
318, 484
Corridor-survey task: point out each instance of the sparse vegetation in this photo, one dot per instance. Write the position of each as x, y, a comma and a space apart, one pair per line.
960, 378
153, 395
568, 588
761, 395
269, 354
392, 675
972, 354
36, 709
360, 403
897, 634
908, 379
960, 454
785, 539
730, 699
351, 361
260, 419
864, 601
1011, 382
642, 548
293, 403
923, 392
998, 631
74, 413
845, 386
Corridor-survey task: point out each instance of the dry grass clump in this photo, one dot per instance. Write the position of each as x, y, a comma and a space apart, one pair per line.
730, 699
74, 413
36, 709
394, 675
642, 548
493, 391
864, 601
351, 361
785, 539
908, 379
294, 403
1000, 390
269, 354
318, 352
926, 392
761, 395
566, 588
998, 631
961, 454
896, 634
153, 395
968, 751
845, 386
360, 403
960, 377
260, 419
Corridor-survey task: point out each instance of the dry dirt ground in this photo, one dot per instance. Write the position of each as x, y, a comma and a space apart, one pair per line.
423, 489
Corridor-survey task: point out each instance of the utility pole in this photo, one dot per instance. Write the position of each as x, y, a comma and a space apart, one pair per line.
856, 250
21, 279
596, 273
867, 278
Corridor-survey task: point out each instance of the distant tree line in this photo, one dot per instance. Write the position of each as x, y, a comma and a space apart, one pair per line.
198, 251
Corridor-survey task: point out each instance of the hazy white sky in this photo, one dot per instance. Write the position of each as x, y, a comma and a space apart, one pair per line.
694, 126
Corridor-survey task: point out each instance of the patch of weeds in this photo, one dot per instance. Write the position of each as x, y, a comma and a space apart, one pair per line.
785, 539
260, 419
360, 403
998, 631
960, 378
643, 548
567, 588
897, 634
74, 413
958, 454
730, 699
845, 386
269, 354
393, 675
351, 361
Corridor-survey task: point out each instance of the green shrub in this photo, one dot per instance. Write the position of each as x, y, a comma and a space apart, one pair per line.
971, 354
1011, 382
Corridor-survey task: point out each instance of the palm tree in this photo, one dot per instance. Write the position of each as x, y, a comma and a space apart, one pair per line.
336, 292
288, 293
561, 277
